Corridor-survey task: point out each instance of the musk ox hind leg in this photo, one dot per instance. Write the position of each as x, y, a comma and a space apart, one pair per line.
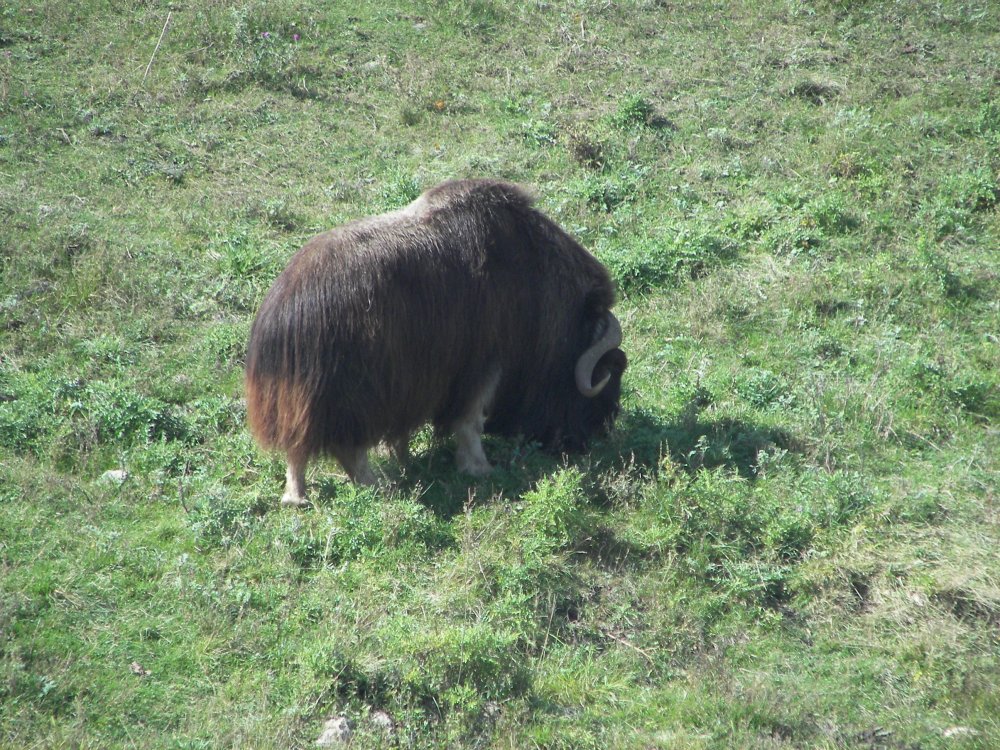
354, 461
469, 454
295, 480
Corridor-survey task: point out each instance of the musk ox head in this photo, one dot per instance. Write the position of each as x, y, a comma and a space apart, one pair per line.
468, 309
579, 399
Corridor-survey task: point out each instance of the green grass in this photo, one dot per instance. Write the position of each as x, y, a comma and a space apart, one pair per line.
791, 539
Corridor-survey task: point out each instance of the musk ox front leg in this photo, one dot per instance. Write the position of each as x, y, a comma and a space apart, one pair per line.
355, 463
469, 454
401, 449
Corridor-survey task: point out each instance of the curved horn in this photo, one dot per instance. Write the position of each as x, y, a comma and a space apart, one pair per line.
609, 339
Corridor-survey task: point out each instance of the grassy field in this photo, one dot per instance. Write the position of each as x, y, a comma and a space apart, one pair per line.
792, 540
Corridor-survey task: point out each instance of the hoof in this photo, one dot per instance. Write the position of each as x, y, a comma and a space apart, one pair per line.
294, 501
364, 478
476, 467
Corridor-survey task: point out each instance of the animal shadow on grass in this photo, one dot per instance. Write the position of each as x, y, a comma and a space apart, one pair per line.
640, 442
695, 443
637, 448
431, 474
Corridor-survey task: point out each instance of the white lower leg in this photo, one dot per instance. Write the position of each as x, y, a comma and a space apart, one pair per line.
355, 463
469, 454
295, 481
401, 448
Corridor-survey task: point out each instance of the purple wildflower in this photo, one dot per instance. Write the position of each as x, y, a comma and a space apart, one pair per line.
266, 35
295, 37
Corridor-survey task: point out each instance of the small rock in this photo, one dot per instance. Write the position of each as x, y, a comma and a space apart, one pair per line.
953, 732
336, 731
382, 720
116, 476
919, 598
40, 287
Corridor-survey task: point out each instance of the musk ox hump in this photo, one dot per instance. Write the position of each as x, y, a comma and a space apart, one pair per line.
479, 195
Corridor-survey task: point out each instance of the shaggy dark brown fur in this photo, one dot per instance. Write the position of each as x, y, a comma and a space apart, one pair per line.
387, 323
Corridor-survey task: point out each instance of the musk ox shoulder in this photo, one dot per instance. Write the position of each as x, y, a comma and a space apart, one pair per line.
468, 309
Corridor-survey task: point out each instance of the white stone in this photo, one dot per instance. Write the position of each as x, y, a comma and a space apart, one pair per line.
953, 732
336, 731
118, 476
382, 720
919, 598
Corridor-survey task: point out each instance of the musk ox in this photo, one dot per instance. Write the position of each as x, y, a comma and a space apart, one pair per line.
468, 309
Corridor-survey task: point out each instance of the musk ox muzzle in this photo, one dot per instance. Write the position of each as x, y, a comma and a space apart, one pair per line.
468, 309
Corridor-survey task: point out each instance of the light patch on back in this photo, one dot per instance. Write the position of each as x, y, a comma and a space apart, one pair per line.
399, 222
